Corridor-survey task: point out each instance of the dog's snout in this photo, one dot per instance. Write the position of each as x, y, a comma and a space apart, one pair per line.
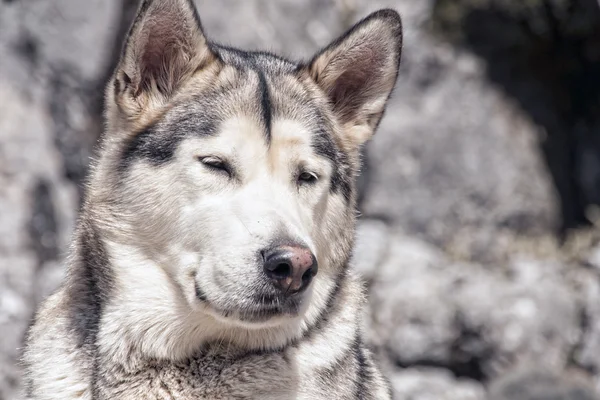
290, 268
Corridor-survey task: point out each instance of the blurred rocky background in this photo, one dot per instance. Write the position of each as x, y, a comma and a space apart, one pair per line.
480, 229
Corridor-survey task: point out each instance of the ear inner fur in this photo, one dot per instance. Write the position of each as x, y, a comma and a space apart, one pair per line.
159, 57
358, 72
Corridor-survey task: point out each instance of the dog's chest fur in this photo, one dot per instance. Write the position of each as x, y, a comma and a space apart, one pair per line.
214, 374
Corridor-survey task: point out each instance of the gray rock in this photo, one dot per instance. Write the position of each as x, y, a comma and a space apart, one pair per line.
540, 385
587, 353
52, 55
542, 58
594, 257
455, 160
476, 321
371, 247
266, 25
432, 384
37, 207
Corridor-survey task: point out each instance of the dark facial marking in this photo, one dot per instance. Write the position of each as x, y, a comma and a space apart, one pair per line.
265, 104
200, 295
263, 64
341, 178
157, 143
324, 146
150, 145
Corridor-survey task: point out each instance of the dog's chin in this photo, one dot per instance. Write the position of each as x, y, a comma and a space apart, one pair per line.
258, 313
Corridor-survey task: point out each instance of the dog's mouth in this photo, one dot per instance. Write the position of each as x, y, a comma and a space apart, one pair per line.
258, 309
256, 314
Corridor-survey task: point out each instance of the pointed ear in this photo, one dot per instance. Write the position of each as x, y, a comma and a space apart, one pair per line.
165, 46
358, 72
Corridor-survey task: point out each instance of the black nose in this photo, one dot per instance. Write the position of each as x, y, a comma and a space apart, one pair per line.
290, 268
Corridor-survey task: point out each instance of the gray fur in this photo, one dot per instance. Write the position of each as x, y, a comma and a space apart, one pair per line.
200, 170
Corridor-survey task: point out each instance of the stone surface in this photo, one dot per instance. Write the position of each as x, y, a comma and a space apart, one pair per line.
465, 161
371, 248
546, 61
587, 354
476, 321
37, 207
540, 385
432, 384
50, 53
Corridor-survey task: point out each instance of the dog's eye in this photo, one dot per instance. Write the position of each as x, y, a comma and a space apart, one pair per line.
307, 178
215, 164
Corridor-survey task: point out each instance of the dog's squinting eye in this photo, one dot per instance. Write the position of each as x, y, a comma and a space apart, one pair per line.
307, 178
215, 164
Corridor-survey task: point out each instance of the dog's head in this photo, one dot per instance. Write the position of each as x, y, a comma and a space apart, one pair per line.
235, 171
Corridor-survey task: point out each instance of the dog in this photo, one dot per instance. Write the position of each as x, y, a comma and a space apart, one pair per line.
211, 254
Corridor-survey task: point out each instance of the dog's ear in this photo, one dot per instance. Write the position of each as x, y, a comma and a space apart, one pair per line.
165, 46
358, 72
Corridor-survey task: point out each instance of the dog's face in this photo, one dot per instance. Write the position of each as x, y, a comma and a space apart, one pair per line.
235, 171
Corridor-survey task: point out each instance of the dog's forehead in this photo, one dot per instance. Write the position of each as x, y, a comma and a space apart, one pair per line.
276, 104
